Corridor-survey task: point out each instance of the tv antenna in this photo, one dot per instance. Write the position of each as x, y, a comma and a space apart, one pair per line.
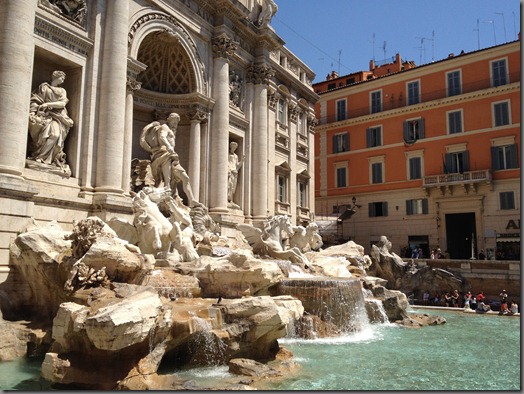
504, 23
384, 48
339, 52
423, 47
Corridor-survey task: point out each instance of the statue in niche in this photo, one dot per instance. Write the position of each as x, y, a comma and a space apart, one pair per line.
49, 123
235, 86
269, 9
158, 138
234, 165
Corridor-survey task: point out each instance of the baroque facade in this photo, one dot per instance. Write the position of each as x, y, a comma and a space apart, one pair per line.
427, 155
126, 64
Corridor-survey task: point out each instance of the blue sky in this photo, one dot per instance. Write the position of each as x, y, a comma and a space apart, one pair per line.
338, 34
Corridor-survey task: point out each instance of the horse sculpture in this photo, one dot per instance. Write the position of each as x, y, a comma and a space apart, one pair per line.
306, 238
269, 241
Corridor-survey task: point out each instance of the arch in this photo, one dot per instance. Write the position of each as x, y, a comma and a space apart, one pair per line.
145, 23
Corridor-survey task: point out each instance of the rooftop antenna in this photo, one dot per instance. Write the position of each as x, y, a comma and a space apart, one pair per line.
384, 48
423, 47
339, 52
504, 22
374, 46
478, 33
514, 29
492, 22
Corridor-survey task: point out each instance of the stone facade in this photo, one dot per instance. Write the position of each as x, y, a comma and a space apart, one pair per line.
129, 63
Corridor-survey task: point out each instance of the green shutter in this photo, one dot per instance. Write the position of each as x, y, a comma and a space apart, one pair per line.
514, 159
409, 207
425, 208
495, 152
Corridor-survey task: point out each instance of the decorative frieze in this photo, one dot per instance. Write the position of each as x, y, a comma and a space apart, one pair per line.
62, 37
224, 46
75, 11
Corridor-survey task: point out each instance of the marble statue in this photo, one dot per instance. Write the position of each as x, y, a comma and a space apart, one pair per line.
49, 123
158, 138
234, 165
73, 9
235, 88
306, 238
269, 9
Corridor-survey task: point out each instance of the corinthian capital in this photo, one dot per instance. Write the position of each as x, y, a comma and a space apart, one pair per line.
260, 73
224, 46
197, 114
132, 84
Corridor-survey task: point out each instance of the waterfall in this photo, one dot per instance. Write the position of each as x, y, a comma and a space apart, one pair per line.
206, 347
333, 306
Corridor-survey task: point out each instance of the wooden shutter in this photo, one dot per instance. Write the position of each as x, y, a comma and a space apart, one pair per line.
371, 209
425, 208
421, 128
368, 137
514, 159
384, 209
495, 160
409, 207
465, 160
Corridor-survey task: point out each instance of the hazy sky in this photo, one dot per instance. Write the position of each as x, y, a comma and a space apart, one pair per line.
344, 35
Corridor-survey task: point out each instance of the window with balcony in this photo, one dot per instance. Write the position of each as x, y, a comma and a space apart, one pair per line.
341, 176
413, 89
415, 168
501, 114
456, 162
376, 101
507, 200
374, 136
499, 73
454, 83
504, 157
341, 142
377, 209
455, 122
341, 109
417, 206
413, 130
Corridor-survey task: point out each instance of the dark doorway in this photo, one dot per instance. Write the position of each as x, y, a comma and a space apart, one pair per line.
460, 232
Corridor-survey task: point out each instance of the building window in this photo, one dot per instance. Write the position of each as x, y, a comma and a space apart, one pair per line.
281, 188
504, 157
374, 136
341, 143
331, 86
376, 102
376, 173
501, 113
413, 130
302, 124
455, 122
415, 168
341, 177
413, 92
507, 200
454, 85
378, 209
281, 111
456, 162
302, 194
341, 110
499, 73
417, 206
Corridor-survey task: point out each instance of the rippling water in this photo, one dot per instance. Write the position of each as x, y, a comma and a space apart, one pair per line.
469, 352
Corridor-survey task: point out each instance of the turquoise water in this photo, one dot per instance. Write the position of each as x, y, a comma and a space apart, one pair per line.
469, 352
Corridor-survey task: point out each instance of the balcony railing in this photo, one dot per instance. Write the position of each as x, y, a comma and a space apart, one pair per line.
393, 100
458, 178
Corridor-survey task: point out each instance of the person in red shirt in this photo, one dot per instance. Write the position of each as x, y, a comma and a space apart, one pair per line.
480, 296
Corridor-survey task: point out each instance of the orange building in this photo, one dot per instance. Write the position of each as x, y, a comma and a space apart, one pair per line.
426, 155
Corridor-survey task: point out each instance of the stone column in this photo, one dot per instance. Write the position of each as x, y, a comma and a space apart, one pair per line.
132, 85
16, 69
223, 46
112, 118
260, 75
196, 116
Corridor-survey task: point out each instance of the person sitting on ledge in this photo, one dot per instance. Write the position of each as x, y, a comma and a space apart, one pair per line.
482, 307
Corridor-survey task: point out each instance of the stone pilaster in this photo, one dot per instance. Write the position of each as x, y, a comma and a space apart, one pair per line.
112, 118
223, 47
18, 19
131, 86
260, 75
196, 116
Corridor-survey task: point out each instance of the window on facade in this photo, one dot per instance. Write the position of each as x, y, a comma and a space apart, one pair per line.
282, 188
350, 81
302, 194
302, 124
341, 110
417, 206
341, 143
341, 173
413, 93
507, 200
281, 112
374, 136
499, 73
455, 122
456, 162
377, 209
504, 157
501, 113
414, 130
376, 173
376, 102
454, 85
332, 86
415, 168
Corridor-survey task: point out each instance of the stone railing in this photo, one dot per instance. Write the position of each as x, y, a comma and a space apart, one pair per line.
457, 178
